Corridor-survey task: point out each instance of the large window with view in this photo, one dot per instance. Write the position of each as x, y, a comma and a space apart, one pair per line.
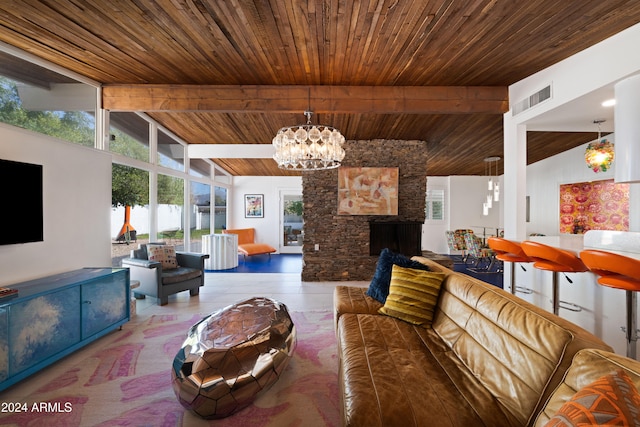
170, 152
220, 215
200, 211
43, 101
130, 224
129, 136
171, 210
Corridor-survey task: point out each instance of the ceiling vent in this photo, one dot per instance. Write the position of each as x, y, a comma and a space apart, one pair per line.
535, 99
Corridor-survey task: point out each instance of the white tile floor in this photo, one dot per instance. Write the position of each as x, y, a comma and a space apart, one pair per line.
223, 289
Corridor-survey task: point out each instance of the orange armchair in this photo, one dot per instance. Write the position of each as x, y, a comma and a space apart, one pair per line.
247, 244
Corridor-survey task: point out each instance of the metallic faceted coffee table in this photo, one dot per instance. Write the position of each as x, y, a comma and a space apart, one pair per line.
233, 355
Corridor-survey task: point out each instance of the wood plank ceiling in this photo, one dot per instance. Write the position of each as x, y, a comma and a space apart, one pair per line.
317, 43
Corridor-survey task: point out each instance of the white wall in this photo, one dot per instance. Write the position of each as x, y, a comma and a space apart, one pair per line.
267, 228
77, 202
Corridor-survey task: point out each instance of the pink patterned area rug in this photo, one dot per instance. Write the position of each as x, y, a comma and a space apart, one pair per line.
127, 382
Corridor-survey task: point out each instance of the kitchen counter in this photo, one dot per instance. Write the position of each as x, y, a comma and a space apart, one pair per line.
625, 243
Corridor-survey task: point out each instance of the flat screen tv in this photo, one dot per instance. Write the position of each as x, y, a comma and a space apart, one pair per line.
21, 197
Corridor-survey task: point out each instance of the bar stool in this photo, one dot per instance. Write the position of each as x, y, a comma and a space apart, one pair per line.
619, 272
510, 251
557, 260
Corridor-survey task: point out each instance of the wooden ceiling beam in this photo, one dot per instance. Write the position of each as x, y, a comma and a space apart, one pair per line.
297, 99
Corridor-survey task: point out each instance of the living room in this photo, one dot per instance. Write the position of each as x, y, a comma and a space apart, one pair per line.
77, 184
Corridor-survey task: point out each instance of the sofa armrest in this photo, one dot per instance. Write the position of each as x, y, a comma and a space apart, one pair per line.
191, 259
135, 262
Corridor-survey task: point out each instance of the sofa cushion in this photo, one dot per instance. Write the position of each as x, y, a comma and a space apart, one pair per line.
393, 373
179, 274
413, 295
587, 366
379, 286
164, 254
610, 400
490, 330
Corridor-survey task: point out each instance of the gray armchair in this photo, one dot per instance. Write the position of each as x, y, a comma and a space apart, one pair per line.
158, 283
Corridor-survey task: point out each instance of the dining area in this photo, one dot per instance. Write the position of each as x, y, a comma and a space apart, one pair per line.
470, 247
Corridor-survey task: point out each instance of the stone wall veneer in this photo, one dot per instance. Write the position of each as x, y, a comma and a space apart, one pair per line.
344, 239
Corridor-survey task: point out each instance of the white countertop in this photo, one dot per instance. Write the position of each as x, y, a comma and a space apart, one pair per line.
626, 243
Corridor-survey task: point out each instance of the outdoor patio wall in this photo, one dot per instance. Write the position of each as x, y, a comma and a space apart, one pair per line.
77, 202
344, 239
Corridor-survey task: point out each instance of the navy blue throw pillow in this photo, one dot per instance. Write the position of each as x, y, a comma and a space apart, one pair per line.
379, 286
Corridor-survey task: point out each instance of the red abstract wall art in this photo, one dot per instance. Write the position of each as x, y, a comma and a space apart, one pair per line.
598, 205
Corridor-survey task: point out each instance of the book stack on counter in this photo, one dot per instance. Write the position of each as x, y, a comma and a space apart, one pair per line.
7, 292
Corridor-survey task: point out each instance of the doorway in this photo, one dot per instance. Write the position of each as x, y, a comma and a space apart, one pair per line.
291, 223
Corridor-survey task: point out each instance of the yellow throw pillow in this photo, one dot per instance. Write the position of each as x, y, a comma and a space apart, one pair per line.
164, 254
413, 295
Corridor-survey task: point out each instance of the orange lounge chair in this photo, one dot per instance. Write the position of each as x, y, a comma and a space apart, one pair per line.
247, 244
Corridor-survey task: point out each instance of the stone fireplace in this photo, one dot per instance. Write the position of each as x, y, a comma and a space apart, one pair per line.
344, 250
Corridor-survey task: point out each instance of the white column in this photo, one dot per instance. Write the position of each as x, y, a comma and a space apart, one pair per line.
515, 179
627, 130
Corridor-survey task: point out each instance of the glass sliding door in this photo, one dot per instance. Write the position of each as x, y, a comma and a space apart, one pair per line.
292, 225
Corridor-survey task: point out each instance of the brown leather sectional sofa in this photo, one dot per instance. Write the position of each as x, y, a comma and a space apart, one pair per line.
489, 359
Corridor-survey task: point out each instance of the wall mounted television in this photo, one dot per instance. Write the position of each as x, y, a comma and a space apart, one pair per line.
22, 206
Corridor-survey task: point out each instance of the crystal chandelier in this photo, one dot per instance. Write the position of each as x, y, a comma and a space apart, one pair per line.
308, 146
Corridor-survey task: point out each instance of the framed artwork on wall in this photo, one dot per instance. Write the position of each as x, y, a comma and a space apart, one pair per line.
367, 191
254, 206
597, 205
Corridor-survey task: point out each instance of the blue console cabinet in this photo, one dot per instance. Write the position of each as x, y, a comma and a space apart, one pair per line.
54, 316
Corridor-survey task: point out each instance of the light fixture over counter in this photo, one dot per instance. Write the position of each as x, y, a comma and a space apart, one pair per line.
600, 154
492, 185
308, 146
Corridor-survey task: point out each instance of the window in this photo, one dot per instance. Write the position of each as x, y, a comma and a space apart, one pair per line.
170, 152
43, 101
220, 208
170, 210
200, 211
434, 207
199, 168
129, 136
130, 210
